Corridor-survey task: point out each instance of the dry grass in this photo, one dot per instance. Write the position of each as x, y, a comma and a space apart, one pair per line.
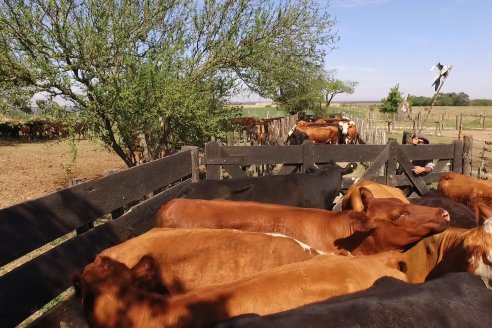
30, 170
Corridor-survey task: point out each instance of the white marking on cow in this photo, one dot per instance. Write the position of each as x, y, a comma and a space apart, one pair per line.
344, 127
304, 246
487, 225
484, 270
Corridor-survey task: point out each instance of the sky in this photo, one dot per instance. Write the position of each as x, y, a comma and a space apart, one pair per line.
388, 42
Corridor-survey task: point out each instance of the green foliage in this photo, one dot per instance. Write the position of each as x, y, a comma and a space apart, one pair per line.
420, 101
444, 99
334, 87
149, 74
481, 102
392, 101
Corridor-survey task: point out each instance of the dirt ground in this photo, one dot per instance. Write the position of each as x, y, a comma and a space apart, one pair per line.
29, 170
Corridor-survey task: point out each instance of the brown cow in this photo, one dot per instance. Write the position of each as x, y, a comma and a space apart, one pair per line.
352, 134
317, 134
110, 298
352, 199
385, 224
453, 250
192, 258
466, 190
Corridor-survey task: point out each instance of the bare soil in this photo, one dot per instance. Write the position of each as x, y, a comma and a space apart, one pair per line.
31, 169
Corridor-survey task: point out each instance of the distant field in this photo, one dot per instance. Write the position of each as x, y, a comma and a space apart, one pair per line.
448, 113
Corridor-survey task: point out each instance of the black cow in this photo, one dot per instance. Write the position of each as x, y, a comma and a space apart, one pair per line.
455, 300
317, 190
461, 216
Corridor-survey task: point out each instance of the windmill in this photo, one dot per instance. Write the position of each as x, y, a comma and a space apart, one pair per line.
437, 83
441, 76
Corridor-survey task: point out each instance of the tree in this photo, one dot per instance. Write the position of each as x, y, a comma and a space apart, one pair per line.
392, 101
149, 74
334, 87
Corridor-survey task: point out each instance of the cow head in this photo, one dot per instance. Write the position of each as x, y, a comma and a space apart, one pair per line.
399, 224
478, 246
101, 284
297, 138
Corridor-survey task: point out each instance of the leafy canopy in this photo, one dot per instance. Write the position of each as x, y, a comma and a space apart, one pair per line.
149, 74
392, 101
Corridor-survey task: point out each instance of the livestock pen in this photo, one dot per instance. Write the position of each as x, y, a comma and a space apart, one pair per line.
29, 282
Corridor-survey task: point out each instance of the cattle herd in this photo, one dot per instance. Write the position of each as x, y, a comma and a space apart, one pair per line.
40, 129
270, 252
329, 130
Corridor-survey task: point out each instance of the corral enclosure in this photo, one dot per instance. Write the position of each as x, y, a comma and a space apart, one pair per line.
28, 226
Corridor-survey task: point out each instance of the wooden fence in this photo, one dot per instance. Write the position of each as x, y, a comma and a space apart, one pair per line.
234, 160
436, 122
31, 282
271, 131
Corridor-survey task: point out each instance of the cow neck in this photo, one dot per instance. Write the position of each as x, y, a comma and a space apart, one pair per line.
437, 255
356, 242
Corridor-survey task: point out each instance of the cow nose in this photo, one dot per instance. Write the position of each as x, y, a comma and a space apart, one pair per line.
445, 216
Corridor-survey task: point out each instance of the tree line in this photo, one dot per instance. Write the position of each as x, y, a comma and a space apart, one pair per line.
449, 99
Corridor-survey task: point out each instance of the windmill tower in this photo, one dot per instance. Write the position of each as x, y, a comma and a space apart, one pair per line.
404, 109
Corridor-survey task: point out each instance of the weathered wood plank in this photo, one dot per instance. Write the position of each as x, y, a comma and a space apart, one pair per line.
29, 225
407, 166
212, 150
235, 171
392, 163
30, 286
380, 160
347, 153
308, 156
419, 152
68, 314
458, 156
257, 155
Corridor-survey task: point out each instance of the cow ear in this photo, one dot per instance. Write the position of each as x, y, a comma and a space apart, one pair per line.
366, 196
144, 269
360, 222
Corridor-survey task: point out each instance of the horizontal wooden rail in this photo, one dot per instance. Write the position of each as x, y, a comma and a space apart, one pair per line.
30, 225
35, 283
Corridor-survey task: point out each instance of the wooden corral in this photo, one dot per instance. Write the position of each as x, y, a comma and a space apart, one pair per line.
26, 227
235, 159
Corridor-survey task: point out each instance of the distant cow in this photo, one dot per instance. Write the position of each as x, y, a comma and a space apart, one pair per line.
191, 258
352, 199
316, 190
455, 300
384, 224
454, 250
317, 134
110, 298
461, 216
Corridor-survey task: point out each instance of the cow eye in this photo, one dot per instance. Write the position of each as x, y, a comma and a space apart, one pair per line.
401, 217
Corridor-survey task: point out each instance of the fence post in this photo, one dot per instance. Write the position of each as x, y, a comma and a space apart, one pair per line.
90, 225
458, 156
308, 157
392, 160
195, 165
483, 158
467, 154
212, 151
